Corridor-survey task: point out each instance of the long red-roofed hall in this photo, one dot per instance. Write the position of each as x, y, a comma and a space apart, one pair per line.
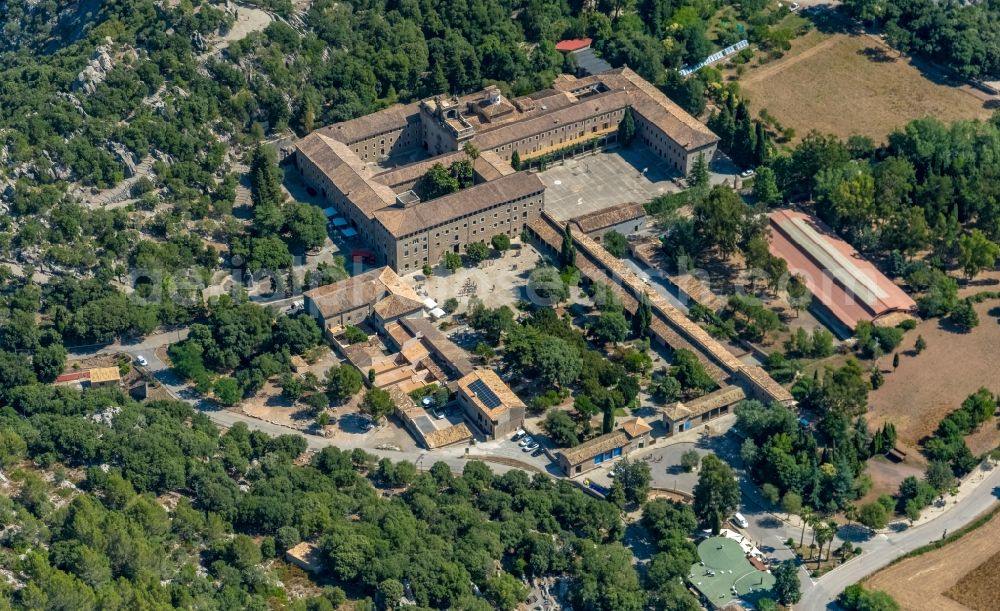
847, 285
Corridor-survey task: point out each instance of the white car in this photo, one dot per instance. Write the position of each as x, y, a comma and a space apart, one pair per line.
518, 435
747, 173
141, 361
740, 521
525, 441
531, 447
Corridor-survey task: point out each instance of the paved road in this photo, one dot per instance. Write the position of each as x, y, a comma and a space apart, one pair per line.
881, 550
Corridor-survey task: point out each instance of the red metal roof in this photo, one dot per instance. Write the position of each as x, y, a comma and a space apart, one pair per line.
73, 376
850, 287
573, 44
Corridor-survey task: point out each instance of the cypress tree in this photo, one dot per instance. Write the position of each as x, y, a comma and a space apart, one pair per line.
568, 254
626, 128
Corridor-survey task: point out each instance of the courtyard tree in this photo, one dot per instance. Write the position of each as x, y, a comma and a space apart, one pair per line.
717, 493
477, 251
699, 177
306, 225
615, 243
515, 161
500, 242
452, 261
626, 128
611, 327
436, 182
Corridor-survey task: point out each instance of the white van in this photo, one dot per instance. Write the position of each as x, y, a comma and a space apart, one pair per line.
740, 521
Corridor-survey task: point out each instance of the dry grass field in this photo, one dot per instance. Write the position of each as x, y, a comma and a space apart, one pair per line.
957, 577
928, 386
980, 588
851, 84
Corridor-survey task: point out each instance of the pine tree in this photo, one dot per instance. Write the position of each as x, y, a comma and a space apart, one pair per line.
895, 361
515, 161
920, 344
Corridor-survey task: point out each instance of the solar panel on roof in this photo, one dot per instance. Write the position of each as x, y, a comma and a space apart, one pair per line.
484, 393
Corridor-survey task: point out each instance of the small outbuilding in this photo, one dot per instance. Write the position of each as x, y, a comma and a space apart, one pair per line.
591, 454
680, 417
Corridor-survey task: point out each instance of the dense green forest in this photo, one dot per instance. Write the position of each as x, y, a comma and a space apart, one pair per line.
111, 504
964, 36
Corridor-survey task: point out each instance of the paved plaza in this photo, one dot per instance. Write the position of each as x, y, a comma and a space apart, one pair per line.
597, 181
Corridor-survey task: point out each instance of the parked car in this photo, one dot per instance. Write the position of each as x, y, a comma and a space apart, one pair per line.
141, 361
519, 433
747, 173
740, 521
531, 447
538, 452
525, 441
438, 414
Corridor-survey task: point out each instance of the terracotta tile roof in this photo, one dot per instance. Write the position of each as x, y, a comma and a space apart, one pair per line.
362, 290
493, 382
346, 170
394, 306
760, 379
104, 374
706, 403
488, 165
398, 334
598, 445
609, 217
446, 349
440, 438
400, 221
405, 176
661, 111
392, 118
636, 427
